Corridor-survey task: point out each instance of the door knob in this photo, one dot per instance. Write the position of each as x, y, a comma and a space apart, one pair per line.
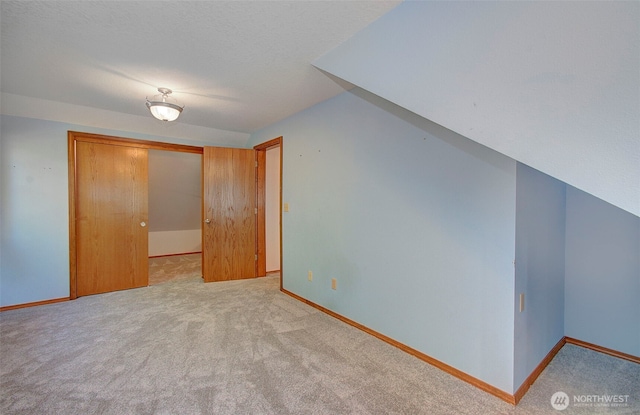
143, 224
207, 221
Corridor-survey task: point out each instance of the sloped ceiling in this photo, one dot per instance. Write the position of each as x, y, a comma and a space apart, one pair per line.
554, 85
237, 66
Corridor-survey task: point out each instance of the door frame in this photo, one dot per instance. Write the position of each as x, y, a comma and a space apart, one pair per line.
72, 138
261, 164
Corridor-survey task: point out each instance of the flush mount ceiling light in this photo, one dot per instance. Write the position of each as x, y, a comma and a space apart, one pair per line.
161, 108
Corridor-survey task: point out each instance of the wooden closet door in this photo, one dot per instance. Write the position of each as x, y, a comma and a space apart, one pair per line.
229, 210
111, 215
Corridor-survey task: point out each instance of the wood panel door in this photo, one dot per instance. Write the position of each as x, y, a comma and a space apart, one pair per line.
229, 210
111, 213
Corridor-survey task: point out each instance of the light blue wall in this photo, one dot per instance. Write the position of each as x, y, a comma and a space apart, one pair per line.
602, 281
34, 213
34, 216
540, 245
416, 223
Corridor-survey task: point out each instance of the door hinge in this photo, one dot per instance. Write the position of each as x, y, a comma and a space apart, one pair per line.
256, 257
256, 211
256, 164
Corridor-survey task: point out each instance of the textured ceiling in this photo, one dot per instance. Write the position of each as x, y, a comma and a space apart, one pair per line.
235, 65
554, 85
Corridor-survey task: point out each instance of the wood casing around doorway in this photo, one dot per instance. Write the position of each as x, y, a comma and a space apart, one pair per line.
261, 156
104, 257
142, 145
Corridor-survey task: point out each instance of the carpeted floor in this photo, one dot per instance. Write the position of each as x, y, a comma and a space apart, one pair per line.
174, 267
242, 347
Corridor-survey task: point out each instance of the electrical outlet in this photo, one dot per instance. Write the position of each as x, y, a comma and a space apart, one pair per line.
334, 284
521, 302
286, 207
310, 276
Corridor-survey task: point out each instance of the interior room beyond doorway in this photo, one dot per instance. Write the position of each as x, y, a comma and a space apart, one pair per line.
175, 226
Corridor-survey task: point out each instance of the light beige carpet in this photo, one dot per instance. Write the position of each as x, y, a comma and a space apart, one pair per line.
243, 347
175, 267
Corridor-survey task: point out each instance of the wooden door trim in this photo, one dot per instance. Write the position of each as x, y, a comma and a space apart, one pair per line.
261, 258
71, 149
72, 138
267, 145
261, 150
132, 142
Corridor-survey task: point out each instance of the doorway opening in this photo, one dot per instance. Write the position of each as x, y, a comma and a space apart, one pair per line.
109, 247
175, 211
269, 204
108, 211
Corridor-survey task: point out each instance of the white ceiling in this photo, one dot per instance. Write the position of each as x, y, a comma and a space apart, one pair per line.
235, 65
554, 85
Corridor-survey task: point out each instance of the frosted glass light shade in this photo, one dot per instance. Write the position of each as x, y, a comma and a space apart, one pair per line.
164, 111
161, 109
